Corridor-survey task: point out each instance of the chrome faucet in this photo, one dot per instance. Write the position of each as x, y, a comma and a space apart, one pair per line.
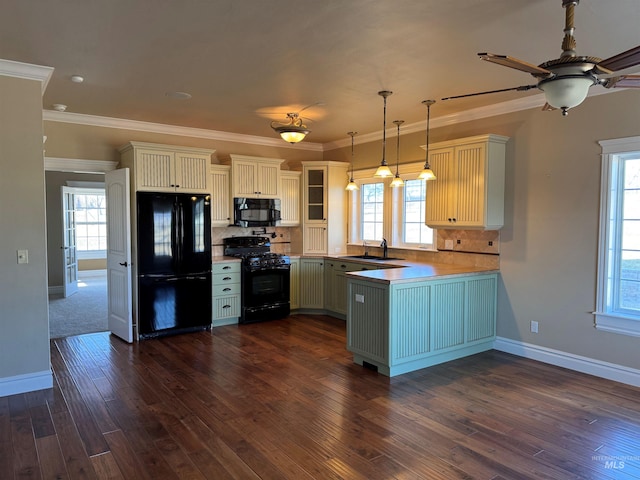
384, 248
366, 247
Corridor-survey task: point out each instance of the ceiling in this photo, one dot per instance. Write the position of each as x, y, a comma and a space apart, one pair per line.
246, 62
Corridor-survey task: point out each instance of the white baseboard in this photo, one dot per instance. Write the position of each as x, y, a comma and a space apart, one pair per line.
29, 382
598, 368
56, 290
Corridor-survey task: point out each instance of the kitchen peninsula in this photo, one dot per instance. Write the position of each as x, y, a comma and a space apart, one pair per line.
417, 315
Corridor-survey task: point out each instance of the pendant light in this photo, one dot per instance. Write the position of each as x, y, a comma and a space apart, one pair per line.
397, 181
427, 173
352, 185
383, 170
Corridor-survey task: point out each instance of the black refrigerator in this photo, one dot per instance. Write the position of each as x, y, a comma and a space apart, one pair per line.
174, 263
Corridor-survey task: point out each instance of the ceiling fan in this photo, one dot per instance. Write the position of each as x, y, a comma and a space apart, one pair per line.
293, 130
565, 81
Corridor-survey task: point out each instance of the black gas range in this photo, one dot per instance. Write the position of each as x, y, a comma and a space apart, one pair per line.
265, 278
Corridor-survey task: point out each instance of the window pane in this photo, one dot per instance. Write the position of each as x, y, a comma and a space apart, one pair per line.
632, 204
372, 198
414, 229
91, 228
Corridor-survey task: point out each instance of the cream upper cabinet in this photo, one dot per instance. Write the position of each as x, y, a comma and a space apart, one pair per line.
469, 190
290, 198
167, 168
220, 196
324, 207
255, 177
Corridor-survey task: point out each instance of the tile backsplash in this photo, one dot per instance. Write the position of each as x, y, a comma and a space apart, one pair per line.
280, 244
458, 247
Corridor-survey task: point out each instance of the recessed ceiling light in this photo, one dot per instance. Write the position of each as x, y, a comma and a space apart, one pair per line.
77, 79
178, 95
59, 107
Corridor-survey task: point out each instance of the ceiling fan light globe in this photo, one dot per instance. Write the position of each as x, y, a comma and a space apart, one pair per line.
292, 133
566, 92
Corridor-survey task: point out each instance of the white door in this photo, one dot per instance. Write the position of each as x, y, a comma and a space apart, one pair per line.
119, 254
69, 252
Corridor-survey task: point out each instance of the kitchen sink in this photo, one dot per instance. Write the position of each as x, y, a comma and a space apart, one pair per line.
372, 257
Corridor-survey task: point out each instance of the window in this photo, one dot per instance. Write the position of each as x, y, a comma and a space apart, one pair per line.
618, 302
378, 211
91, 223
372, 204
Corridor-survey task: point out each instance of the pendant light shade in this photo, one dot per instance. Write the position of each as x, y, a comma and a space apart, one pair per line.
397, 181
427, 173
352, 185
383, 170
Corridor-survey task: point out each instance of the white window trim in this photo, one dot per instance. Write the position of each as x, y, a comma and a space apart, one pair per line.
605, 320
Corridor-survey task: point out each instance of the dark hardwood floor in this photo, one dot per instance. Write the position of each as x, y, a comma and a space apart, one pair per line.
283, 400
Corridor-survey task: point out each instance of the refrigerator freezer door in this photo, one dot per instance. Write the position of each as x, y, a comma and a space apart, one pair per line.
174, 304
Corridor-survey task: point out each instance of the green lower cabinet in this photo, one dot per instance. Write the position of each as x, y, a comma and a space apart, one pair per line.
400, 328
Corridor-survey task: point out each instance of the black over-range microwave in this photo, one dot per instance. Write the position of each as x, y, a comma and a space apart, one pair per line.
256, 212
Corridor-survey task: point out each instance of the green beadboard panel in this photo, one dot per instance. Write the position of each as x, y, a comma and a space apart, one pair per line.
367, 327
410, 318
448, 314
482, 308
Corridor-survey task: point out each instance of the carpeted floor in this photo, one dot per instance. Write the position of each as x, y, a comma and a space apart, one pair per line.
82, 312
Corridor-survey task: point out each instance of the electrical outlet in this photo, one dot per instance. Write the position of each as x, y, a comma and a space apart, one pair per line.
359, 298
534, 326
448, 244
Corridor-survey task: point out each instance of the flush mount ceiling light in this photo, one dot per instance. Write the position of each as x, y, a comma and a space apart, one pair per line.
397, 181
383, 170
59, 107
427, 173
352, 185
294, 131
77, 78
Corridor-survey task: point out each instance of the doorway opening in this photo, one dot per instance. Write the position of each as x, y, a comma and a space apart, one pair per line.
76, 251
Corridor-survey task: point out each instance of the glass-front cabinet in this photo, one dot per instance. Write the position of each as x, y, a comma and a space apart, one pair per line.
324, 204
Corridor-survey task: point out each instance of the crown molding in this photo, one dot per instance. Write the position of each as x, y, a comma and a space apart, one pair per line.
27, 71
78, 165
136, 125
525, 103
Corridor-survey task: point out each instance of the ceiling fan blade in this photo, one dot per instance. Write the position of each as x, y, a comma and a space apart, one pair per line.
623, 60
548, 108
625, 81
511, 62
522, 88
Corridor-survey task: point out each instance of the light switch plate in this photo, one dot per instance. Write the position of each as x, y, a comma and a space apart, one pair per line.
23, 256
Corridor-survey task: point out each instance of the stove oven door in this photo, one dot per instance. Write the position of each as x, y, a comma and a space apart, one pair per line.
265, 294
